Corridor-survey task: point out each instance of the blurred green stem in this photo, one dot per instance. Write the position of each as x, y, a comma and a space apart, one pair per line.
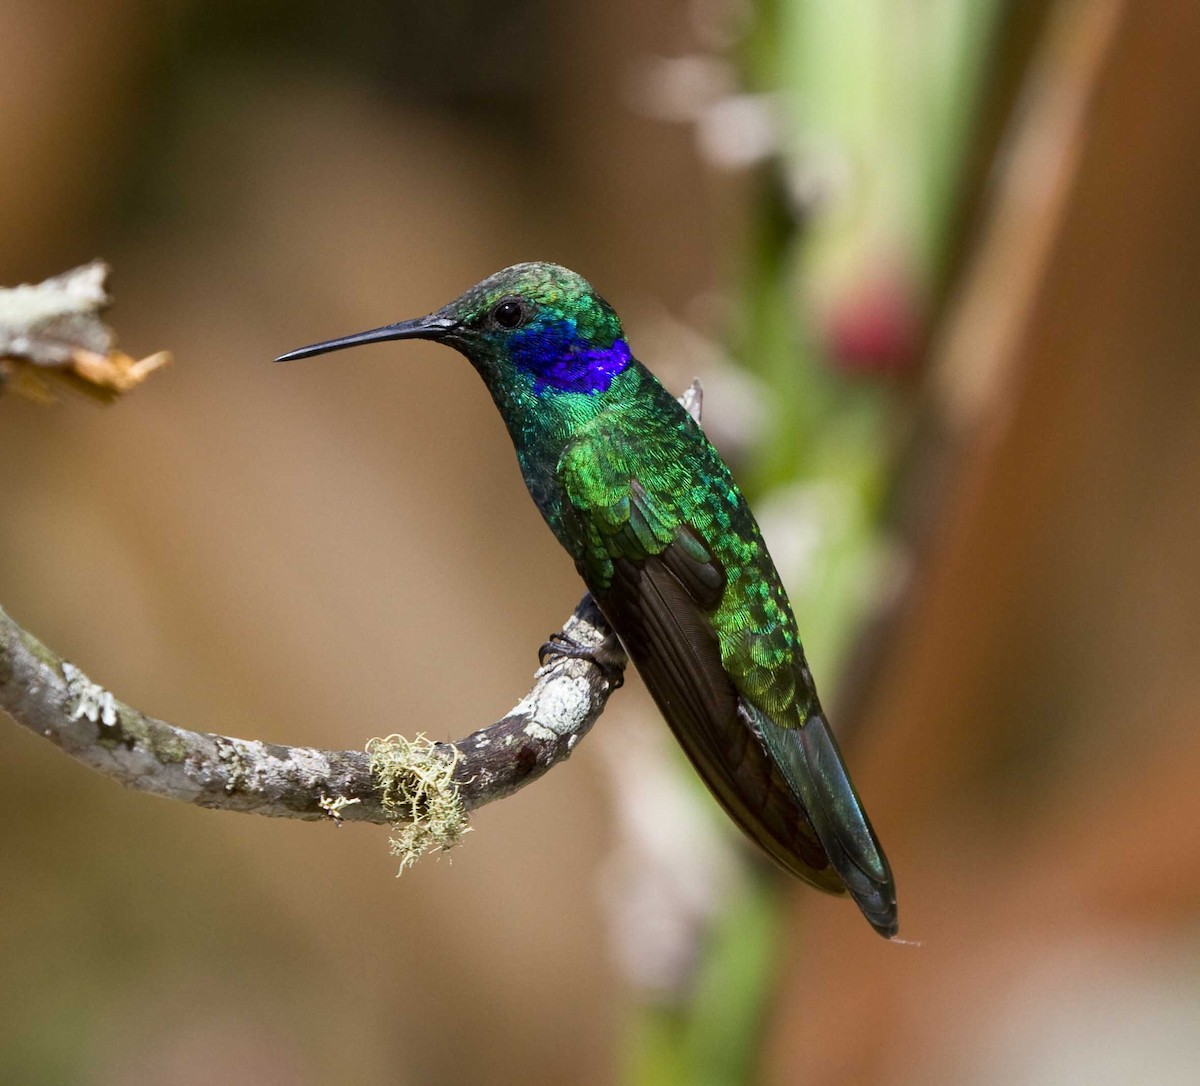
713, 1036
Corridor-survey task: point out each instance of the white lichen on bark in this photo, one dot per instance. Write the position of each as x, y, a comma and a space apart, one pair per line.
554, 707
89, 699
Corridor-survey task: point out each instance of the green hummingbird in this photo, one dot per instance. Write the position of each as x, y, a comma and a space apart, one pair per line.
660, 533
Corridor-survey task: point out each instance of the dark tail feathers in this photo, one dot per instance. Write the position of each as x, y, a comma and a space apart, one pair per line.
812, 764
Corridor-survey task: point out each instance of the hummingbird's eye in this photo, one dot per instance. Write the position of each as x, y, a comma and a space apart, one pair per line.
509, 314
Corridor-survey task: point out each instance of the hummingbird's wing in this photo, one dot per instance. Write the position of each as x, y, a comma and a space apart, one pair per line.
661, 584
669, 635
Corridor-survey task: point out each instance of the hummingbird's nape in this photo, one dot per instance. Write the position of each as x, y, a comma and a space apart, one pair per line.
431, 327
673, 556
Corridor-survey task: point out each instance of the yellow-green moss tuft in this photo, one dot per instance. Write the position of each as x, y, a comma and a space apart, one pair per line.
419, 794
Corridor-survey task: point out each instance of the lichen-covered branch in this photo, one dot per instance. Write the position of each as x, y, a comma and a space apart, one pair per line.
56, 700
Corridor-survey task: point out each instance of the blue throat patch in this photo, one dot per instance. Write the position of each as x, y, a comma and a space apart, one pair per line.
559, 359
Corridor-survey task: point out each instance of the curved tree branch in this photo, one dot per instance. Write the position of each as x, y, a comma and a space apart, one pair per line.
54, 699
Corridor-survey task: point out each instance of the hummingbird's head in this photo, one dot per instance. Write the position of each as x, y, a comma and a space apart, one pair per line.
537, 323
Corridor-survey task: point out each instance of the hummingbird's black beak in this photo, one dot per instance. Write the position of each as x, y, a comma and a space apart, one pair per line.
431, 327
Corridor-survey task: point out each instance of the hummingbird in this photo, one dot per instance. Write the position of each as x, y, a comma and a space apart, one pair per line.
662, 536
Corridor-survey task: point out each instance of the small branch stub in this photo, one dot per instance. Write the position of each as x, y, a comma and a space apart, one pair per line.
53, 331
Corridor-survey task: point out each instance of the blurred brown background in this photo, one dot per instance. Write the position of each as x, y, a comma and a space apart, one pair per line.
304, 554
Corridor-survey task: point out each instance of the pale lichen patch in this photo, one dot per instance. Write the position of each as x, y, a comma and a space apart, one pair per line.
335, 805
557, 709
88, 699
419, 794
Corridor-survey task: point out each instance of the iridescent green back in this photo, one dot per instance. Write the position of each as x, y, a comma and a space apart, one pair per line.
645, 435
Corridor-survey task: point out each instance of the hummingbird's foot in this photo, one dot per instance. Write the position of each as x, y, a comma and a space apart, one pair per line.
611, 665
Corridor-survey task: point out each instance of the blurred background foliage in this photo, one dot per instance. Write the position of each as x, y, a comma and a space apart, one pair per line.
936, 266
